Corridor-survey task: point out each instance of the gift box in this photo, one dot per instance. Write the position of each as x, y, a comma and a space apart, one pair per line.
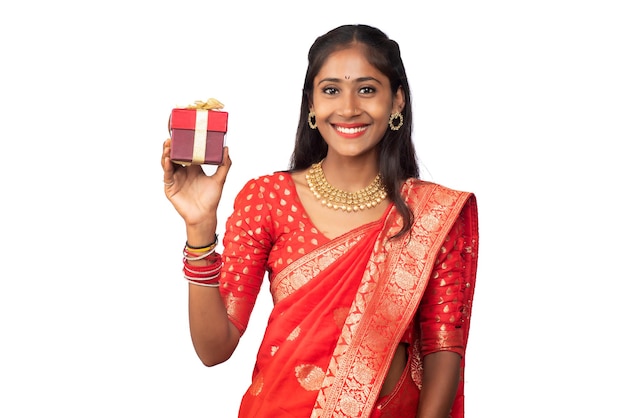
197, 135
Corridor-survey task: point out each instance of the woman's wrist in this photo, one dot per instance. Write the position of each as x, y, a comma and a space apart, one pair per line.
201, 235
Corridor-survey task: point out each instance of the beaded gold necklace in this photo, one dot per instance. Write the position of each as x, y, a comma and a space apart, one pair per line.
334, 198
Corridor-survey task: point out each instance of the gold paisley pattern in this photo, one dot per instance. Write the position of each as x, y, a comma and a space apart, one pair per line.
257, 385
310, 376
339, 315
294, 334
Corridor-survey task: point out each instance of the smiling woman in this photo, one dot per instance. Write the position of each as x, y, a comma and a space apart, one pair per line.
371, 270
352, 112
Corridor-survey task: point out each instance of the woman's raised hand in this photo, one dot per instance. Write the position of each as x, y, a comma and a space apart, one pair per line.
195, 195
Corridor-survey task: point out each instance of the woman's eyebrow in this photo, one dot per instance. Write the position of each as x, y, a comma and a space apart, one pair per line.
356, 80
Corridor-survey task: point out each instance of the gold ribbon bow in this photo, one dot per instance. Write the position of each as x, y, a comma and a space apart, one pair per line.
208, 105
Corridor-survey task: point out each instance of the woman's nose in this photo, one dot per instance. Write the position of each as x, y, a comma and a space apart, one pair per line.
350, 106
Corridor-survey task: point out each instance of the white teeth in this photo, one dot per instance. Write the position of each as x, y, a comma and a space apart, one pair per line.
350, 131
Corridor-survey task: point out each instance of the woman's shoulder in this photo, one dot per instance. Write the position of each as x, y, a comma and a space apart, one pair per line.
275, 180
268, 186
418, 188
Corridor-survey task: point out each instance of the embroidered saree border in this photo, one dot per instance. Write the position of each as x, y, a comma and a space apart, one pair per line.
386, 301
307, 267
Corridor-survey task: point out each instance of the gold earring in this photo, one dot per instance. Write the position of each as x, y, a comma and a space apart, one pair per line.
312, 120
392, 121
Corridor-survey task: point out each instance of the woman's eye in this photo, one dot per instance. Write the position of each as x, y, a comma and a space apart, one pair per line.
367, 90
330, 90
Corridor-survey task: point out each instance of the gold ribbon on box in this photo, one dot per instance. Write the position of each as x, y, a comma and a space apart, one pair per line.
202, 123
208, 105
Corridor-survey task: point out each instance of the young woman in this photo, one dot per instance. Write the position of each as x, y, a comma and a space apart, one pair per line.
371, 270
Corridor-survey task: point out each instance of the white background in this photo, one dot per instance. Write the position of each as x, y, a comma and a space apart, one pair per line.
522, 103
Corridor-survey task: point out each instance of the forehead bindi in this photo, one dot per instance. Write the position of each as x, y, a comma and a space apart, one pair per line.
349, 64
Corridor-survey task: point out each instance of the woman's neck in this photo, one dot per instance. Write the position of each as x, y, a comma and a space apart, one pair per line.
350, 174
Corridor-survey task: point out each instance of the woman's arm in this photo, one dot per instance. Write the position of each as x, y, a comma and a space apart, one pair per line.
214, 337
439, 384
443, 315
196, 196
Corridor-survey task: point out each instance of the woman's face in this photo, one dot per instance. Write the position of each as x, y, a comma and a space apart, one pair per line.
352, 101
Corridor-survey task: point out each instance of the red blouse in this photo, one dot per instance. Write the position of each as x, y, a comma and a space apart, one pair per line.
269, 229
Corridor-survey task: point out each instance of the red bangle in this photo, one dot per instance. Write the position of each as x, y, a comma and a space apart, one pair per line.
207, 283
207, 275
202, 271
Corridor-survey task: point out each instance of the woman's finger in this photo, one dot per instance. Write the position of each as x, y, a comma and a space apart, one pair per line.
222, 170
168, 166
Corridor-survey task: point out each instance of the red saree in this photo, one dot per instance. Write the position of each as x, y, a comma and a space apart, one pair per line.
342, 306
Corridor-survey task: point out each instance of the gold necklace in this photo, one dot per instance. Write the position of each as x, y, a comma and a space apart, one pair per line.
334, 198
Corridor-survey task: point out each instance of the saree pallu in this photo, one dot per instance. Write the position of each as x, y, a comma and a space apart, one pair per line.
398, 274
342, 309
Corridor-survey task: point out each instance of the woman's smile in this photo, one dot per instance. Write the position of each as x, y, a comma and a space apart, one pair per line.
350, 130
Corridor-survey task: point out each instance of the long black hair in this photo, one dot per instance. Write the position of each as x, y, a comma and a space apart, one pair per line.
397, 157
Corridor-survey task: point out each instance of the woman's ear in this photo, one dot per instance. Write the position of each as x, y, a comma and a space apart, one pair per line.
309, 102
398, 100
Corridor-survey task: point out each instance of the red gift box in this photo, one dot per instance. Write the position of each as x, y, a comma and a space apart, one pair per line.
197, 136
